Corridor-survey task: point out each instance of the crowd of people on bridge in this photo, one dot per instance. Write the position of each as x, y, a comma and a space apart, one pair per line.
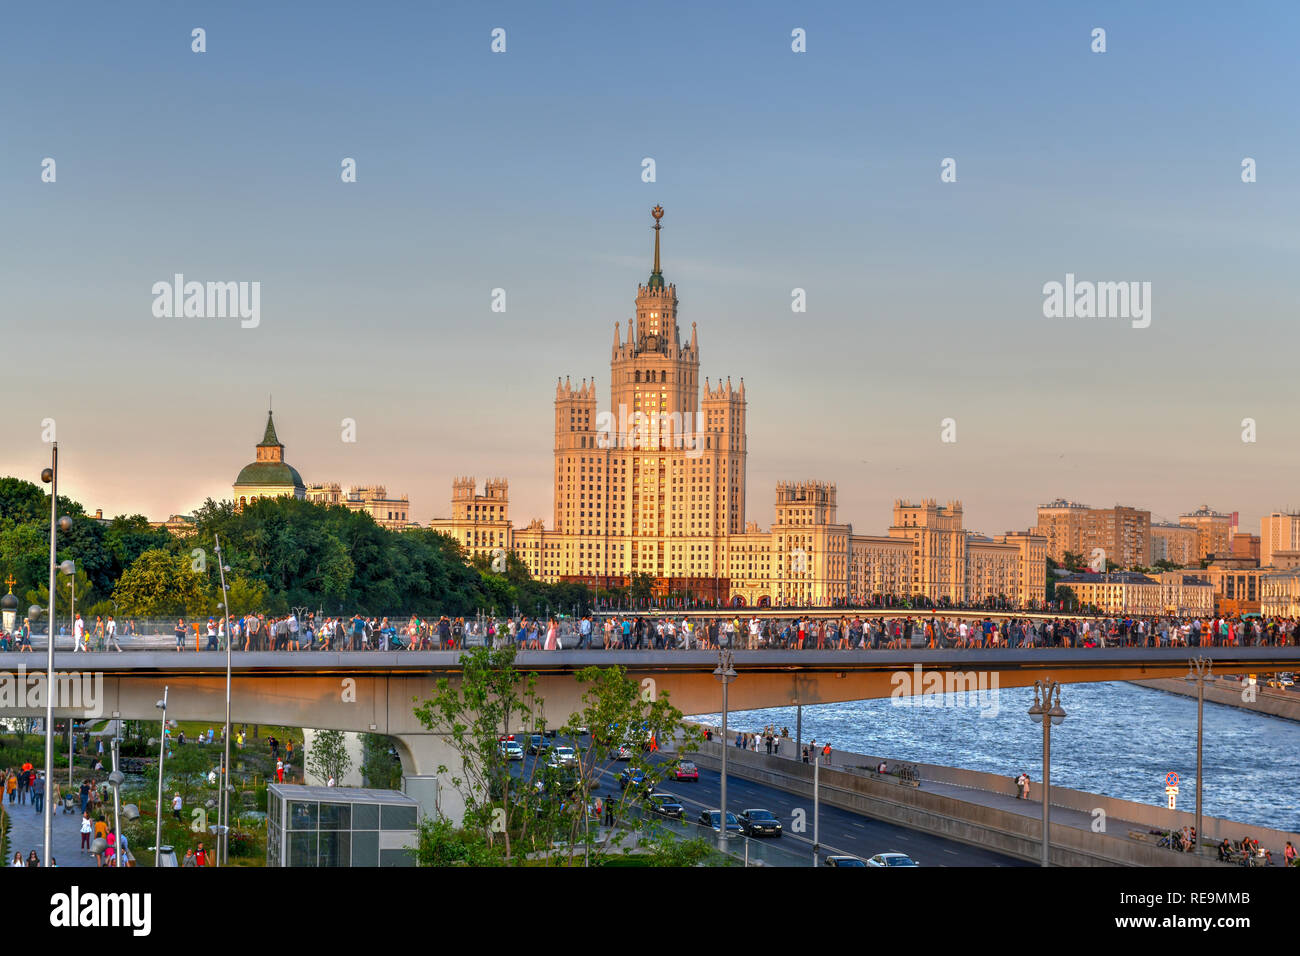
615, 631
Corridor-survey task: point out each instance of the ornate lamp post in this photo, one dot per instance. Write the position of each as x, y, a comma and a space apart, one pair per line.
115, 780
223, 798
726, 673
1199, 669
162, 756
50, 476
1047, 711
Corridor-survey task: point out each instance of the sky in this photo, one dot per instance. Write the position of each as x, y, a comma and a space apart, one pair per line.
522, 170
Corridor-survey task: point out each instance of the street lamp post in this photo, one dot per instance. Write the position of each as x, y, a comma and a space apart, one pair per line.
1047, 711
816, 807
223, 798
162, 756
115, 781
726, 673
1199, 669
50, 476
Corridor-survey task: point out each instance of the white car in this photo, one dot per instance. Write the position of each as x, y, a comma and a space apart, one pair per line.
564, 756
511, 750
892, 858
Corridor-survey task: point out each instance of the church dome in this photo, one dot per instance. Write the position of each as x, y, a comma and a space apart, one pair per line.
270, 470
8, 603
269, 473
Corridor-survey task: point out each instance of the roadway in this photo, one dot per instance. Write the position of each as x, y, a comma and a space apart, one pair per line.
841, 831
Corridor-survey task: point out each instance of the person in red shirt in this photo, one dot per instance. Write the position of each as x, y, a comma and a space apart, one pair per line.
279, 771
200, 856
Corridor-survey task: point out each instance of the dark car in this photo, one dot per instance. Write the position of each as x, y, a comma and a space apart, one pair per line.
537, 744
842, 861
710, 818
758, 823
665, 805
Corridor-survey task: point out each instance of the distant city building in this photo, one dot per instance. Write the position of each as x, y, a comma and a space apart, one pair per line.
1213, 532
1279, 531
1175, 543
1123, 534
1126, 592
269, 476
1280, 593
1247, 546
182, 526
1237, 585
388, 512
657, 486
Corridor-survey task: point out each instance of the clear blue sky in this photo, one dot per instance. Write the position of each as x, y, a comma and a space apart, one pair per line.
778, 170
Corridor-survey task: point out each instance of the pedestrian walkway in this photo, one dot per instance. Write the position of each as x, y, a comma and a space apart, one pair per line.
27, 833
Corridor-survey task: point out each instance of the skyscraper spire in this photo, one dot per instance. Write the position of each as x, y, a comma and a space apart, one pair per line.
656, 277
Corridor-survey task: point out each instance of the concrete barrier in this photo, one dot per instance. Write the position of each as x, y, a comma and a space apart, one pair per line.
975, 824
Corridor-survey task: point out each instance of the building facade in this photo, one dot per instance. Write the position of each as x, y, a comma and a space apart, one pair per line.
391, 513
655, 486
1174, 542
1279, 531
1213, 532
1120, 534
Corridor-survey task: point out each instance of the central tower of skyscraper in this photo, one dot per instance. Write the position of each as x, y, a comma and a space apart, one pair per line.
656, 484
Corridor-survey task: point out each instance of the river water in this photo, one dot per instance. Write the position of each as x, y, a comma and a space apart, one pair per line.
1118, 739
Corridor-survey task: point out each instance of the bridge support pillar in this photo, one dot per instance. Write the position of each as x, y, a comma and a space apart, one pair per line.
422, 755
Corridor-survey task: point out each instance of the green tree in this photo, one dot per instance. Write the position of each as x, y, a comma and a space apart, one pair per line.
328, 755
380, 766
160, 584
547, 804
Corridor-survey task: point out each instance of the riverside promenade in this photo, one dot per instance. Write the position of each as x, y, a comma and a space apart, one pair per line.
982, 809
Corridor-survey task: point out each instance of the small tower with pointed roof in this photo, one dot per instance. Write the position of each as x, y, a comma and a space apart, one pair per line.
268, 475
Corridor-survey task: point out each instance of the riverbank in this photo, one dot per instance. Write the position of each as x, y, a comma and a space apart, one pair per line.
1232, 692
982, 809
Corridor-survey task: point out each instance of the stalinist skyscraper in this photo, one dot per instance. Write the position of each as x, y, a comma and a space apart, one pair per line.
655, 485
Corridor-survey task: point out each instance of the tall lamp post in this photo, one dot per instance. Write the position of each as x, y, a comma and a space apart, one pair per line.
50, 476
726, 673
115, 780
1047, 711
223, 798
162, 756
1199, 669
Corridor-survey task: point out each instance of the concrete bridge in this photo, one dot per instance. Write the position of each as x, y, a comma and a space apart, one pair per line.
375, 692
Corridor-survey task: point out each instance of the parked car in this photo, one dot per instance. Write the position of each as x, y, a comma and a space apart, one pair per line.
565, 755
892, 858
760, 823
842, 861
665, 805
537, 744
620, 753
686, 771
711, 818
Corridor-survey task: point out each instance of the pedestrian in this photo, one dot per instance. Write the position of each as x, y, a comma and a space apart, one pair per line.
179, 631
200, 856
189, 857
38, 793
111, 630
86, 827
826, 754
279, 771
176, 807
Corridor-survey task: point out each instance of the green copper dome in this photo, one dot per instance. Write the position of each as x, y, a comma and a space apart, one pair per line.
269, 473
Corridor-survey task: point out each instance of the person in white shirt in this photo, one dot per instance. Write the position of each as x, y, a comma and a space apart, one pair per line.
78, 635
111, 630
753, 633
